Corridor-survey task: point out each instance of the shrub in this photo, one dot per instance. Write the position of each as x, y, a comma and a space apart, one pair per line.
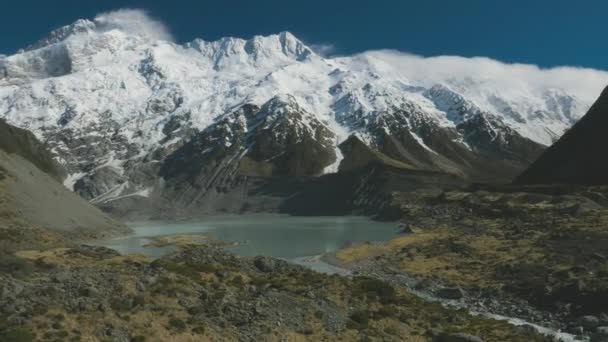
17, 334
176, 323
199, 330
11, 264
139, 300
238, 281
358, 320
379, 290
386, 311
120, 304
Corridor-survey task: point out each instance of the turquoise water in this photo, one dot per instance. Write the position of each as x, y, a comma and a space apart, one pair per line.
279, 236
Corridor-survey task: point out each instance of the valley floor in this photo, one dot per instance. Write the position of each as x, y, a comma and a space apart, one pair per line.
538, 254
206, 294
535, 253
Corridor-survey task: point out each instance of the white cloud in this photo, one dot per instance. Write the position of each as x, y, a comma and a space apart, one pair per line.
134, 21
323, 49
584, 83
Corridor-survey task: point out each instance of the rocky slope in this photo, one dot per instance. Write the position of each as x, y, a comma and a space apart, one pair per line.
123, 110
35, 208
536, 253
205, 294
573, 158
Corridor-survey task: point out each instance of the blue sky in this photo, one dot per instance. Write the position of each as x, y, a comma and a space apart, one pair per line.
543, 32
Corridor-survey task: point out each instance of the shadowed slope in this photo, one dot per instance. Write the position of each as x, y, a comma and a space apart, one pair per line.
576, 158
33, 204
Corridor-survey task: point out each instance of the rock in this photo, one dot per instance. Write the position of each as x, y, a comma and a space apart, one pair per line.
140, 286
423, 284
436, 333
458, 337
114, 334
600, 335
602, 330
580, 270
589, 322
405, 228
451, 293
264, 264
61, 277
528, 329
89, 292
576, 330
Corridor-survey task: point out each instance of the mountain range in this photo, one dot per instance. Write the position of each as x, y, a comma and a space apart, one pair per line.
140, 121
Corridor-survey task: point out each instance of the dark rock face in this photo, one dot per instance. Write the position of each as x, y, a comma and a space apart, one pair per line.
481, 147
574, 158
244, 151
98, 183
450, 293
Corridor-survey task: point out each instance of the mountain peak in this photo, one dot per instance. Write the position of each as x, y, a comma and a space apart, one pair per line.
272, 50
62, 33
133, 23
284, 43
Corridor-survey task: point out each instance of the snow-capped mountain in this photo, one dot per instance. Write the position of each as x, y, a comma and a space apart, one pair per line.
127, 110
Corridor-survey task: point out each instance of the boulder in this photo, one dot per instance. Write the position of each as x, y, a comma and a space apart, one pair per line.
265, 264
458, 337
600, 335
589, 322
450, 293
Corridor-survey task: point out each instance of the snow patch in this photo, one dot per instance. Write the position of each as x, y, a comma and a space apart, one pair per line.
421, 142
71, 179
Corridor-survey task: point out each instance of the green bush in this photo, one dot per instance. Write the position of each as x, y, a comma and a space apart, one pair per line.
603, 271
386, 311
176, 323
376, 289
17, 334
139, 300
199, 330
238, 281
358, 320
120, 304
11, 264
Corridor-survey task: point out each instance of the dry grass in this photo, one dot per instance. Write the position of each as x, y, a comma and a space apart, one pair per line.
365, 251
184, 240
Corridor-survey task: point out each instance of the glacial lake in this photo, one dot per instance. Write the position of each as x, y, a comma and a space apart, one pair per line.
293, 238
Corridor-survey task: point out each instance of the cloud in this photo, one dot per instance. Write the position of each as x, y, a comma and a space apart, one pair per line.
323, 49
490, 75
134, 21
